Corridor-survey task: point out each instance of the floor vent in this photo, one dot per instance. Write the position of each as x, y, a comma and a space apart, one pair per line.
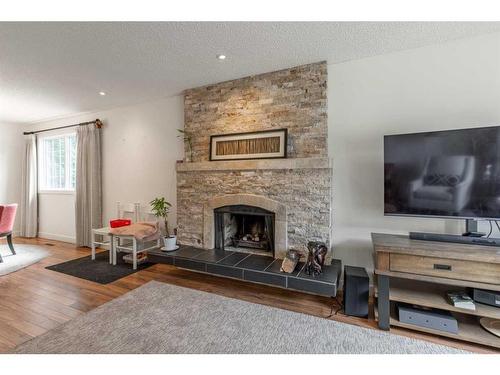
48, 244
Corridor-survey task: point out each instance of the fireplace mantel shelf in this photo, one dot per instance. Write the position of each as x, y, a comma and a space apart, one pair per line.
242, 165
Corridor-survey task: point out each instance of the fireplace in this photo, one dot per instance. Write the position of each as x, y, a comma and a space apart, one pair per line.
296, 189
244, 228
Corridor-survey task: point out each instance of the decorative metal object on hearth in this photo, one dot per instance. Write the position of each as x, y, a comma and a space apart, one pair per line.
316, 257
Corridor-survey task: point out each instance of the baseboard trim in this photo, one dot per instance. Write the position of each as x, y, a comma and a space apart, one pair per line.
56, 237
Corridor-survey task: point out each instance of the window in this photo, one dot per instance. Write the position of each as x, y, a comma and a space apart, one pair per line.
57, 162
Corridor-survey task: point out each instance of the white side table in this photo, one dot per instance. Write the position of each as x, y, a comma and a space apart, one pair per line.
102, 232
135, 247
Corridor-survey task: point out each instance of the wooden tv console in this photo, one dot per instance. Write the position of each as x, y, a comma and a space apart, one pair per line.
421, 272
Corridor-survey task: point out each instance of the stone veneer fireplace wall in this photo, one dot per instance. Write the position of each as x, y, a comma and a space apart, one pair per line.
297, 189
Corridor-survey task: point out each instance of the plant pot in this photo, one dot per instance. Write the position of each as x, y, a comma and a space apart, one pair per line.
170, 243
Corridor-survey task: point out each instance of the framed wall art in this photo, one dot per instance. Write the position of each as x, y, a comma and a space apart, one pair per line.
268, 144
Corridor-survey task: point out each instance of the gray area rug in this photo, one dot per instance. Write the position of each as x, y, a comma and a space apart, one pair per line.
163, 318
25, 256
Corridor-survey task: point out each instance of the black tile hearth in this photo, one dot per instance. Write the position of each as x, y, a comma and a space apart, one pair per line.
213, 256
233, 259
190, 264
185, 252
329, 274
154, 257
312, 286
265, 278
252, 267
227, 271
256, 262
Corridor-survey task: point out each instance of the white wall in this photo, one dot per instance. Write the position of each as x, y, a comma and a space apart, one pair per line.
139, 151
11, 156
452, 85
56, 216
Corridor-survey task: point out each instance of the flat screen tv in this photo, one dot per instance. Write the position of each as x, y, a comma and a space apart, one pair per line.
453, 173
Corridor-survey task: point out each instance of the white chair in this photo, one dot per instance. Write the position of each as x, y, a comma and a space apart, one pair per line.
123, 211
130, 244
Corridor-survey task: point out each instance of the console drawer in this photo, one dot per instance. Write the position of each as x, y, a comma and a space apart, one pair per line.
449, 268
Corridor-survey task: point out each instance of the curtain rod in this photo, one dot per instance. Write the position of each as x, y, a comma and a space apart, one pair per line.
97, 122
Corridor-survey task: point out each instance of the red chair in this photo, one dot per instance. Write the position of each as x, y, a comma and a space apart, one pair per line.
7, 217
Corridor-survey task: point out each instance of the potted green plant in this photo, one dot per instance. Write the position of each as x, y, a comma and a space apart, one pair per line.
160, 208
188, 141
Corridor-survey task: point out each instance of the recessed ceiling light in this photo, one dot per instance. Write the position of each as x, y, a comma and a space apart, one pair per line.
221, 57
102, 93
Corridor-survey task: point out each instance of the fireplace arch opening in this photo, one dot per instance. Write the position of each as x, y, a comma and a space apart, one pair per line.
245, 228
278, 208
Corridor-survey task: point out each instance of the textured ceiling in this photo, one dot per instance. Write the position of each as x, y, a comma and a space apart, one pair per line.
56, 69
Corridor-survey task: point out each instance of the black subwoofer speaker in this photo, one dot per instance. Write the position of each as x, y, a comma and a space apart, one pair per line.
356, 291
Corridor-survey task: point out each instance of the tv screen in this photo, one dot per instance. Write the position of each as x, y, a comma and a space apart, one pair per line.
454, 173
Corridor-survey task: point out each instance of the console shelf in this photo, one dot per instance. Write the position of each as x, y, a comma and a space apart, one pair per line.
439, 280
468, 330
421, 272
433, 295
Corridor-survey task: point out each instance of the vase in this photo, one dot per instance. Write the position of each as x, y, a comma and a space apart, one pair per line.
170, 243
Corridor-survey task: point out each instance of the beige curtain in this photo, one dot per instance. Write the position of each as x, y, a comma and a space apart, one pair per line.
29, 190
88, 205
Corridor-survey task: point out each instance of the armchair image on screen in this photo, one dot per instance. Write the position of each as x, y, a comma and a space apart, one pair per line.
445, 184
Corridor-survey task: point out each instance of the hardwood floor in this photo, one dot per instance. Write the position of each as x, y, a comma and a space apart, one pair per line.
34, 300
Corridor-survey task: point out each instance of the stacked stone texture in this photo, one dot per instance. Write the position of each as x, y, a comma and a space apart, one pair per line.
294, 99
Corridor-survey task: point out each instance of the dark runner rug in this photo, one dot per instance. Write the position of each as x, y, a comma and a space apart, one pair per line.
98, 270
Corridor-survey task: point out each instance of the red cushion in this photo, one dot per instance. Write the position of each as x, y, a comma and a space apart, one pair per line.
117, 223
